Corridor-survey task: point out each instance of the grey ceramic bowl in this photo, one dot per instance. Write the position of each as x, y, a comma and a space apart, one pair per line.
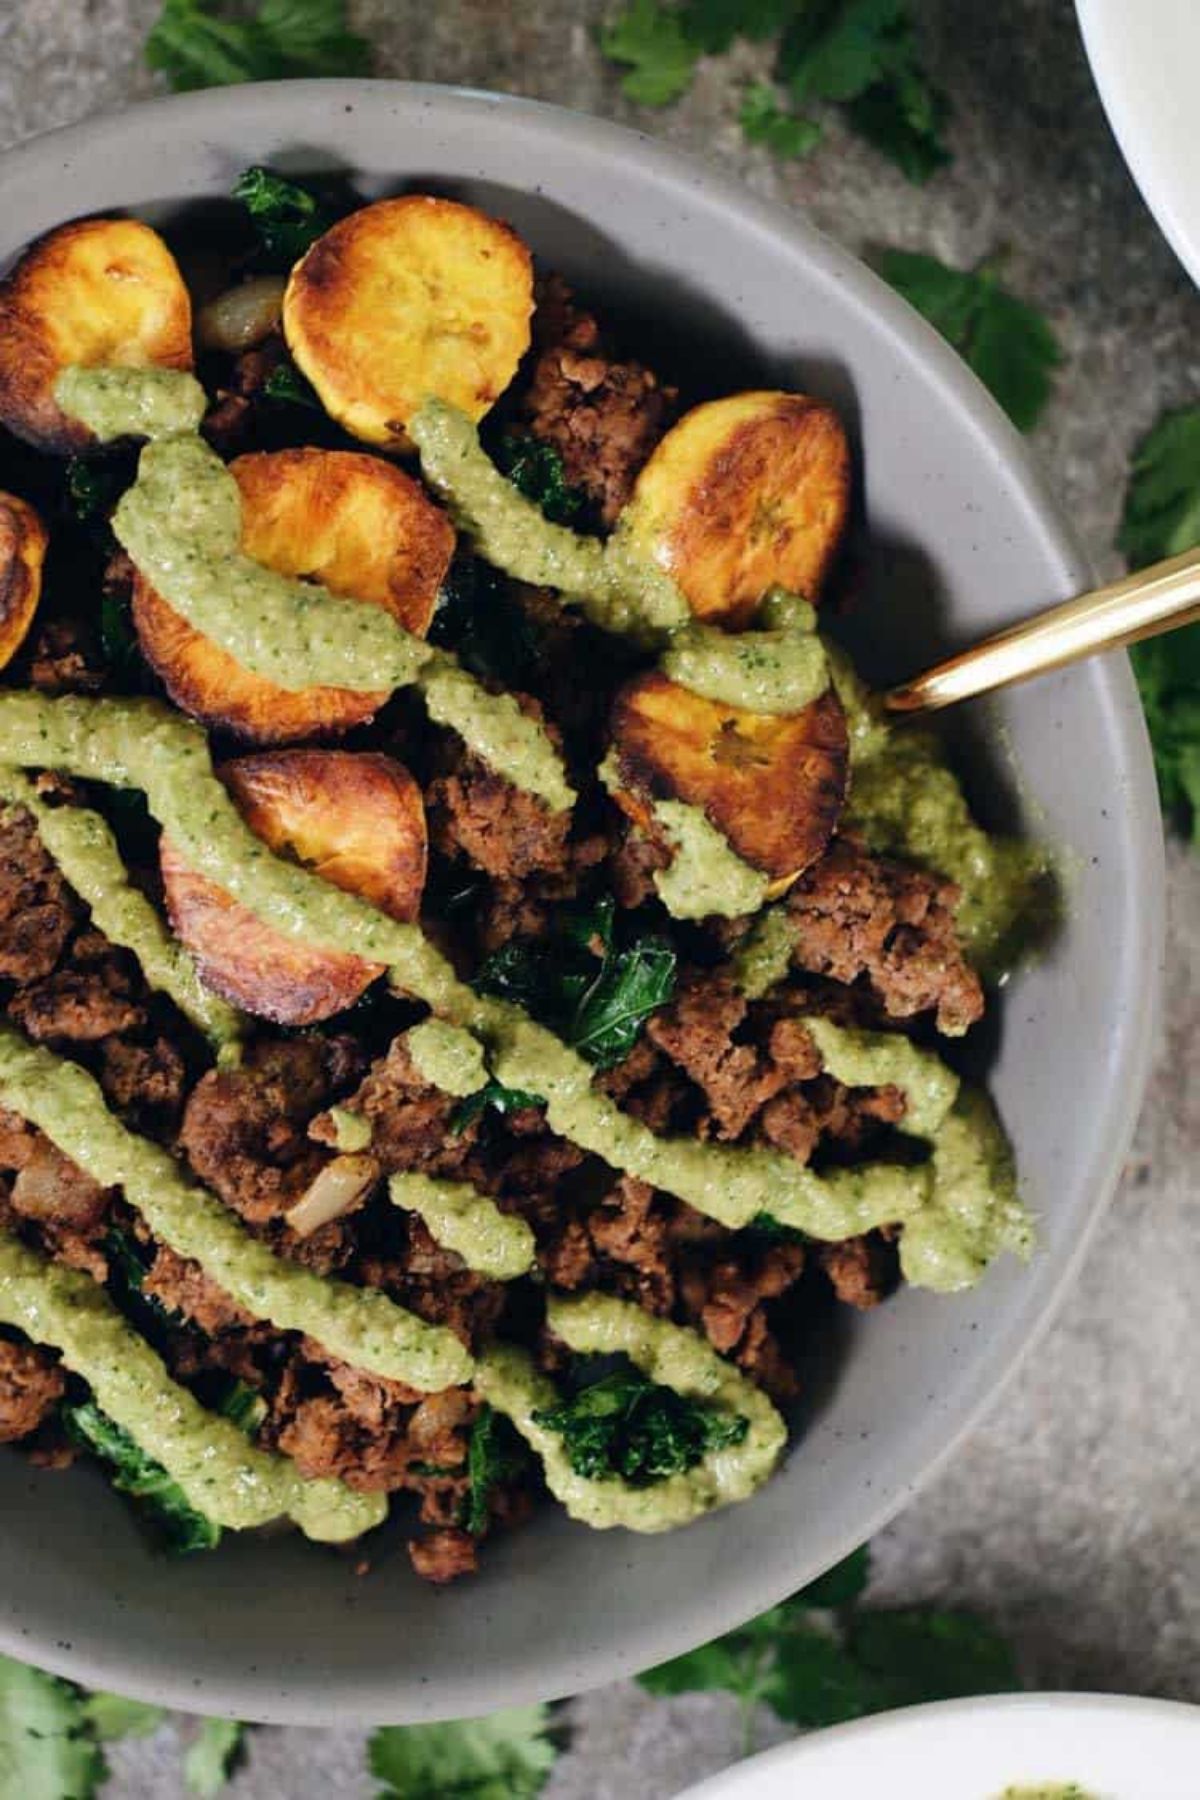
962, 536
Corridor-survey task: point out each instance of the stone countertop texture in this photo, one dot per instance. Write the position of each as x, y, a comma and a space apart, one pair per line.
1070, 1518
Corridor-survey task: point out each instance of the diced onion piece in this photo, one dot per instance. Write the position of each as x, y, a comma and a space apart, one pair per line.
338, 1189
242, 316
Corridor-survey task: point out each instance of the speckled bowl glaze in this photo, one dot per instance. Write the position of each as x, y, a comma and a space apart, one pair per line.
955, 535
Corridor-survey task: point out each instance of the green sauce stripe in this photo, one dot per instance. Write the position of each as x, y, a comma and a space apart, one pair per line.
358, 1325
222, 1474
86, 852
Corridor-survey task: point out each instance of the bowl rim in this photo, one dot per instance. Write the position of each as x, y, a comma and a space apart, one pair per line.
300, 1699
1005, 1717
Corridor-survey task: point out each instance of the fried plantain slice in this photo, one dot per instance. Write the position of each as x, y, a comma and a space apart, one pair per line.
97, 291
23, 544
407, 300
742, 495
352, 521
773, 787
356, 819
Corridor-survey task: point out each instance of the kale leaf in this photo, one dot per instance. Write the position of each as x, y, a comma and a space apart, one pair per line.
628, 1426
489, 631
506, 1756
492, 1095
160, 1501
243, 1406
196, 44
47, 1748
495, 1454
126, 1284
94, 486
288, 219
1008, 343
595, 994
537, 471
286, 385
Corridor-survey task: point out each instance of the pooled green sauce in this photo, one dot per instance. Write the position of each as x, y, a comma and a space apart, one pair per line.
447, 1057
358, 1325
497, 1244
705, 876
774, 671
132, 402
974, 1211
764, 956
670, 1355
906, 803
222, 1474
85, 850
615, 589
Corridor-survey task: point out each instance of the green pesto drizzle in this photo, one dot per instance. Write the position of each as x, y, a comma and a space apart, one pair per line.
907, 803
764, 956
705, 875
359, 1325
180, 522
446, 1057
887, 1059
774, 671
86, 851
616, 589
351, 1130
671, 1355
497, 1244
132, 402
974, 1211
139, 743
219, 1470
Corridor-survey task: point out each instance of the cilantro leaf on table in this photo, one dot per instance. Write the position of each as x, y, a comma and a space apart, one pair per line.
661, 58
536, 470
495, 1454
840, 1586
594, 993
713, 25
196, 44
1162, 518
113, 1717
625, 1425
287, 218
212, 1756
1008, 343
764, 121
506, 1756
47, 1748
160, 1501
921, 1653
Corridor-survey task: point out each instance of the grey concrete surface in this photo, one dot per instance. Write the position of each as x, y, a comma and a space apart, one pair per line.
1071, 1516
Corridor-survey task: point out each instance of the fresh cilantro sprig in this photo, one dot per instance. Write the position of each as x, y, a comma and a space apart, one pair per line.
287, 218
1162, 518
820, 1658
860, 55
1008, 343
212, 1756
506, 1756
196, 44
48, 1748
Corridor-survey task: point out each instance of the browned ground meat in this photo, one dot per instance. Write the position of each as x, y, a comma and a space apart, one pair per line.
864, 917
633, 864
146, 1082
699, 1031
182, 1287
444, 1555
410, 1119
861, 1270
37, 911
501, 829
244, 1129
64, 658
435, 1283
51, 1190
31, 1384
79, 1005
602, 415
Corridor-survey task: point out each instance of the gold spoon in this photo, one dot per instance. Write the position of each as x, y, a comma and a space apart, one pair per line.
1160, 598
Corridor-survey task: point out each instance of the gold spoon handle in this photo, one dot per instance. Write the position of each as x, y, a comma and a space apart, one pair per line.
1160, 598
